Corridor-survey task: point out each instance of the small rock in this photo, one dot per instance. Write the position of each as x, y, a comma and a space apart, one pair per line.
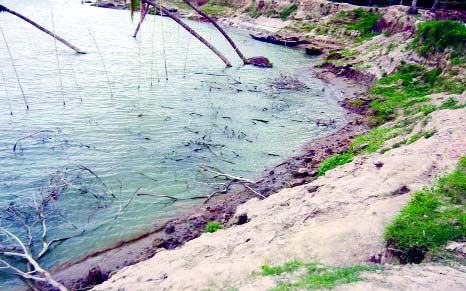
297, 182
170, 229
313, 50
312, 189
242, 219
403, 190
95, 276
158, 242
314, 173
378, 164
301, 173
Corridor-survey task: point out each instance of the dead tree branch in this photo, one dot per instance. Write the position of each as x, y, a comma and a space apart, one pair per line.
36, 25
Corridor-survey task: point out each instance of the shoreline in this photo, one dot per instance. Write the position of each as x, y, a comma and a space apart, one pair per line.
296, 170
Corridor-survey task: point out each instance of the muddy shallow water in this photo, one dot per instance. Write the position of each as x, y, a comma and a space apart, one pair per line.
139, 130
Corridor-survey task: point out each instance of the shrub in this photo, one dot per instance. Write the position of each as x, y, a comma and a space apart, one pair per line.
437, 36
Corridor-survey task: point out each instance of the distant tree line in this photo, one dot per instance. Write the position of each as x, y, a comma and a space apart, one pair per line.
429, 4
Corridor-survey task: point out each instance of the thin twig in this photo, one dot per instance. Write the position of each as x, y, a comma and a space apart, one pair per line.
255, 192
58, 61
103, 63
6, 92
14, 68
238, 178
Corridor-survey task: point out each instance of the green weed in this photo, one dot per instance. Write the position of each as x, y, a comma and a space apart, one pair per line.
213, 226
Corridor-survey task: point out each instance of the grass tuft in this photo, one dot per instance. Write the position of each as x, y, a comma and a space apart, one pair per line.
213, 226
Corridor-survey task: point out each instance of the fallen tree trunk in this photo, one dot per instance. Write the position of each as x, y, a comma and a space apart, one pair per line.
189, 29
144, 11
57, 37
257, 61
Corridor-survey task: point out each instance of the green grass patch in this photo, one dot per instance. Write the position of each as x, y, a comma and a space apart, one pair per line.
437, 36
424, 109
413, 101
451, 103
285, 13
360, 20
398, 144
432, 218
316, 276
213, 226
408, 86
277, 270
356, 102
349, 53
372, 141
335, 161
213, 9
308, 27
415, 137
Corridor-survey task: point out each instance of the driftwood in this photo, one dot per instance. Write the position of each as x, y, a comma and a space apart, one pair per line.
41, 28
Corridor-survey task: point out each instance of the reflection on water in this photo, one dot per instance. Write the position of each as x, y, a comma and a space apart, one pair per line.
152, 133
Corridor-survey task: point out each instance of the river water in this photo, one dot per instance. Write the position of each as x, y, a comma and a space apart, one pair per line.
133, 128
